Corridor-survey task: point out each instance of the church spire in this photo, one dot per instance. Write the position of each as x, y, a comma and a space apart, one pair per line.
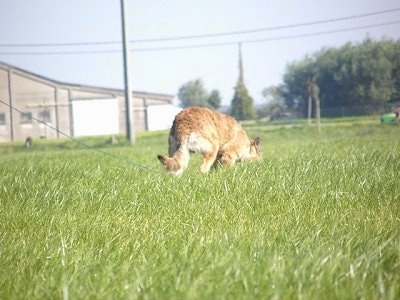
242, 103
240, 63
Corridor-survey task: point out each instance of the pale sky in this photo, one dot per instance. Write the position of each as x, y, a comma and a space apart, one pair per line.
93, 27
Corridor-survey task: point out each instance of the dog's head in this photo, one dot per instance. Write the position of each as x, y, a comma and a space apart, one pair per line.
254, 150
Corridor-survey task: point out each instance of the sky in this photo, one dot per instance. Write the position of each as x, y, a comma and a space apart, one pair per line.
176, 41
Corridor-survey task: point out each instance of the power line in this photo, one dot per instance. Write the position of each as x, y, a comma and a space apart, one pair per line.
268, 28
261, 40
206, 45
323, 32
202, 36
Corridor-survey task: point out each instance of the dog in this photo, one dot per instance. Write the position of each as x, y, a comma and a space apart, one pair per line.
218, 137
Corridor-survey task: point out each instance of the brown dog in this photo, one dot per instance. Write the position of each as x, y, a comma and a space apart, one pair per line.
218, 137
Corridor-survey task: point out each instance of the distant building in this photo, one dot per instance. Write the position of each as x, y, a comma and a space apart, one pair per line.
72, 109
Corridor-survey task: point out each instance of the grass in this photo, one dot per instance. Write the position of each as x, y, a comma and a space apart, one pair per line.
319, 217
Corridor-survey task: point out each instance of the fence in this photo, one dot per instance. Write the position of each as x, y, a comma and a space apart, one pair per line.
358, 110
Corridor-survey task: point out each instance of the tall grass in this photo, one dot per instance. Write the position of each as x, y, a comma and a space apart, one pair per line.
318, 218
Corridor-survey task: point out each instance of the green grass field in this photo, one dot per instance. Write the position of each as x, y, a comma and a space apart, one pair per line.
317, 218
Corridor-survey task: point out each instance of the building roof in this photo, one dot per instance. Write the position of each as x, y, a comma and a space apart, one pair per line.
81, 87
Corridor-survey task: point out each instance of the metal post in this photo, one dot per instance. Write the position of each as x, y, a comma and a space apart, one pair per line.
10, 101
318, 113
71, 114
315, 96
56, 111
130, 135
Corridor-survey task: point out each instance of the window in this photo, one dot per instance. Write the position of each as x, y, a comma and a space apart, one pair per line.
26, 117
44, 116
2, 118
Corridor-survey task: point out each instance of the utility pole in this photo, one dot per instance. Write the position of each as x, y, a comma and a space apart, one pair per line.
130, 134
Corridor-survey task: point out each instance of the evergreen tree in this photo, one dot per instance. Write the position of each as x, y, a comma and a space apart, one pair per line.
242, 103
214, 100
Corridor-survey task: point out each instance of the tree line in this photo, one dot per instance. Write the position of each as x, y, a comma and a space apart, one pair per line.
364, 73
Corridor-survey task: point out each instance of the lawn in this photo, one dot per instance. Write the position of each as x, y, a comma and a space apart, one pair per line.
317, 218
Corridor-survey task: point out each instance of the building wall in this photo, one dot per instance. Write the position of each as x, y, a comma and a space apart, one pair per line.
34, 97
32, 100
4, 110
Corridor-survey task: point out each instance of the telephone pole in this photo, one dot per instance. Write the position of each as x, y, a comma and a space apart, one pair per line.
130, 134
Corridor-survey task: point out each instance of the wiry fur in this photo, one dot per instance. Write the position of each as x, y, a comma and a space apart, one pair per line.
218, 137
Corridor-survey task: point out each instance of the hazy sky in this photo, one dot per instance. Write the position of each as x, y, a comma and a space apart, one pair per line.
92, 31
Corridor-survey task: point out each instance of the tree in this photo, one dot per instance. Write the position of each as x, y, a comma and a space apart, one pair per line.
354, 74
214, 99
272, 94
242, 103
193, 93
274, 106
295, 81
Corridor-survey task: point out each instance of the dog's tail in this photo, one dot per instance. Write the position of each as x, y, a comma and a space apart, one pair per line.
170, 163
